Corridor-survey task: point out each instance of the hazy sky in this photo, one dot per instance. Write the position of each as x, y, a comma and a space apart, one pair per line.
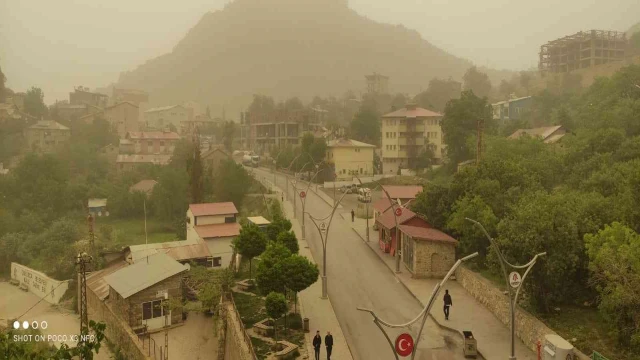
57, 44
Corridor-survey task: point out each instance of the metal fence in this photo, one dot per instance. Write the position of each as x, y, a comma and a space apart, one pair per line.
247, 338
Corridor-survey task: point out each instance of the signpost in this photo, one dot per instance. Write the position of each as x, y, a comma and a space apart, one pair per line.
515, 279
323, 227
404, 345
398, 211
303, 194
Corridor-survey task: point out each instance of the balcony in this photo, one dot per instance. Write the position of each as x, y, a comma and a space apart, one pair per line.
411, 141
418, 128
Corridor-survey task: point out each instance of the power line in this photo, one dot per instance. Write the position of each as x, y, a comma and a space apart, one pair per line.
50, 292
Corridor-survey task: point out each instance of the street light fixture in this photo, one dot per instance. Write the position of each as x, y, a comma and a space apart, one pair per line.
514, 281
303, 200
423, 314
323, 230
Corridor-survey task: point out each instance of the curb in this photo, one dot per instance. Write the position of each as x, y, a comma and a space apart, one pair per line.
412, 294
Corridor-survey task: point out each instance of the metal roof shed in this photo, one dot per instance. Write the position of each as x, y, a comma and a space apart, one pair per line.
143, 274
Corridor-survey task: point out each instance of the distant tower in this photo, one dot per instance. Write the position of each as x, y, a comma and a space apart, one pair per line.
377, 84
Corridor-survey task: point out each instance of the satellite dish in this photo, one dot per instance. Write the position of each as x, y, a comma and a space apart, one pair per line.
99, 213
106, 213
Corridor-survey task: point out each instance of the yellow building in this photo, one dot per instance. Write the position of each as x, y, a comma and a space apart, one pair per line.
405, 133
350, 157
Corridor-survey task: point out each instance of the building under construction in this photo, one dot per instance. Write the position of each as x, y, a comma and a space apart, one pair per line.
582, 50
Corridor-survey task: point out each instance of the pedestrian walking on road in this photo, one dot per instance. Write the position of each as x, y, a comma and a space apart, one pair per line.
317, 341
353, 215
328, 342
282, 197
447, 303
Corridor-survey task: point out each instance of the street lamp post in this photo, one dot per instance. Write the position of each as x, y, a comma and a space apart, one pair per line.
423, 314
514, 281
323, 229
303, 200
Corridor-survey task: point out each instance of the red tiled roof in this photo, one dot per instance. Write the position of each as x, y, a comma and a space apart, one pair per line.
145, 186
163, 135
412, 113
382, 205
403, 191
430, 234
387, 219
220, 208
218, 230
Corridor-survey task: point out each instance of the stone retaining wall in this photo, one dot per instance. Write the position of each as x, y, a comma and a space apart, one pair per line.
117, 331
528, 328
236, 344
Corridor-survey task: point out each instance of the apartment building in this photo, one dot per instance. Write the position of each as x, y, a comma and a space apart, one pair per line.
405, 133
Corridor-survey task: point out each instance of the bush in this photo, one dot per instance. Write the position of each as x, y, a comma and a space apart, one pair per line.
294, 321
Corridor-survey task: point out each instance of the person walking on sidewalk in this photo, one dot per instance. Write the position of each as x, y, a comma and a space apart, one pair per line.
447, 303
328, 342
282, 197
317, 341
353, 215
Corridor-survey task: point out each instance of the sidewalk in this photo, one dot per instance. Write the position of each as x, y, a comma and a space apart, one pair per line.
494, 338
320, 312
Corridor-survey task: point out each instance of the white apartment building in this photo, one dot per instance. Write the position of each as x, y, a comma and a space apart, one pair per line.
405, 133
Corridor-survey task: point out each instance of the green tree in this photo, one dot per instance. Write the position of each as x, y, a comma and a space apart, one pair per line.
228, 134
278, 225
426, 158
635, 40
525, 80
300, 273
289, 239
169, 197
438, 94
434, 202
614, 261
471, 238
460, 121
506, 89
250, 243
270, 274
276, 306
231, 183
196, 178
34, 103
365, 126
477, 82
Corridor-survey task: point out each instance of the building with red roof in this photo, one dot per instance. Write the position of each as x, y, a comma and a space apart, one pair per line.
386, 225
406, 133
214, 224
427, 252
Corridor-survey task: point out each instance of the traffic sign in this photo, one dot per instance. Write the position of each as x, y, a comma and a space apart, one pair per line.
398, 211
323, 227
404, 344
515, 280
303, 194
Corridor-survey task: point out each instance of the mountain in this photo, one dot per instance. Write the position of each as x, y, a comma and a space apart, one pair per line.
285, 48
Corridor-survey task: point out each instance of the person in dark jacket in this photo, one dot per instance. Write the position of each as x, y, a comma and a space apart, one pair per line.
317, 341
447, 303
328, 342
353, 215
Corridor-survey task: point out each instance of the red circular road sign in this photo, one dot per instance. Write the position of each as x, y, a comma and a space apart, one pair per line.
398, 211
404, 345
303, 194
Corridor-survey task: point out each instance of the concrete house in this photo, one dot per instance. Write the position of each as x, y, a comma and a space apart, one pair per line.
427, 252
137, 291
128, 162
152, 142
83, 96
160, 118
46, 136
399, 193
213, 157
405, 133
512, 109
350, 157
214, 224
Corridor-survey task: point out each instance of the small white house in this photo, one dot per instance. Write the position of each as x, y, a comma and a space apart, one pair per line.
214, 224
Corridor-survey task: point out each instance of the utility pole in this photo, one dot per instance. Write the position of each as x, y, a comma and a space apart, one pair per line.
514, 281
82, 260
92, 235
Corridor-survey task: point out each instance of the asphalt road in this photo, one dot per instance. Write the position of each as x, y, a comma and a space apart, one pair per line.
357, 278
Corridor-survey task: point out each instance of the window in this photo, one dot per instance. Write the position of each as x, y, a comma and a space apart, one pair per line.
149, 143
217, 261
152, 310
229, 219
